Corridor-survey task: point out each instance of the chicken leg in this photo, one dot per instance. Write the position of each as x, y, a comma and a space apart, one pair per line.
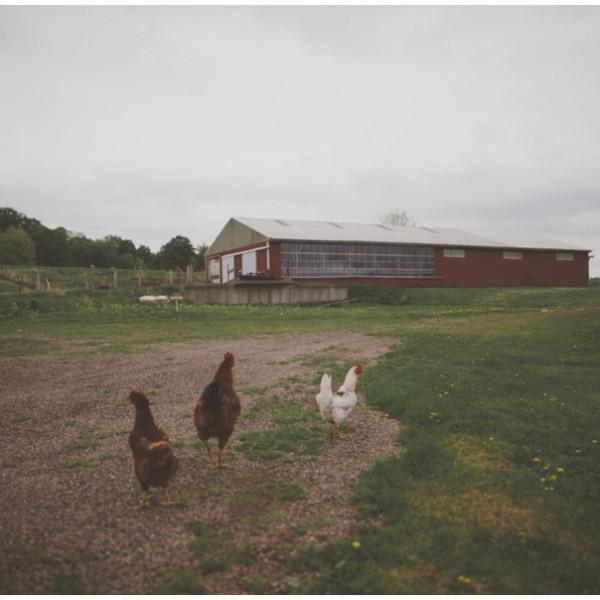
220, 463
208, 452
168, 501
334, 432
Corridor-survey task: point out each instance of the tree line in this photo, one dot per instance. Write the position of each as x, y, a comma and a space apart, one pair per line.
26, 241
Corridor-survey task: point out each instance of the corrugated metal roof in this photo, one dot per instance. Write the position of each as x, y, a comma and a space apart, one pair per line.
286, 229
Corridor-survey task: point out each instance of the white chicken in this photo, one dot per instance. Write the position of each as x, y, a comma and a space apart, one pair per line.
335, 408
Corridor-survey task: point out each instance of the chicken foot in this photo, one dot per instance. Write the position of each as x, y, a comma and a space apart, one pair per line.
143, 503
334, 432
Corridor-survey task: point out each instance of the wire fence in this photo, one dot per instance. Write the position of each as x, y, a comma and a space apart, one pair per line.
67, 279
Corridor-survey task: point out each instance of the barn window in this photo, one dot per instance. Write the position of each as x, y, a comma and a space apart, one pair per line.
454, 253
512, 255
248, 263
565, 256
356, 260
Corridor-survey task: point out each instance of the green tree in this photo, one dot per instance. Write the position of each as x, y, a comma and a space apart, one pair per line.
145, 258
16, 247
126, 247
9, 217
178, 253
51, 245
83, 250
117, 252
200, 253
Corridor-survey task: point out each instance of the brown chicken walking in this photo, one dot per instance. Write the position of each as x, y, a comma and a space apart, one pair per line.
154, 460
218, 408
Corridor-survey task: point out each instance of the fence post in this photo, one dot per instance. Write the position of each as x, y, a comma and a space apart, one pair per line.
89, 281
38, 281
115, 279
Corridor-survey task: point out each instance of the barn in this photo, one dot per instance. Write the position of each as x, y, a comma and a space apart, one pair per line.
255, 249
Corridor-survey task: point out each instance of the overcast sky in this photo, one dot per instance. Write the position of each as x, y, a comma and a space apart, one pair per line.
149, 122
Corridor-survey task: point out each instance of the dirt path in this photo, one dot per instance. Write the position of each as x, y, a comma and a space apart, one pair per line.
68, 488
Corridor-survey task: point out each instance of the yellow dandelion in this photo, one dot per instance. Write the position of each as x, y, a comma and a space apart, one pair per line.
594, 442
356, 544
577, 450
560, 470
536, 459
464, 579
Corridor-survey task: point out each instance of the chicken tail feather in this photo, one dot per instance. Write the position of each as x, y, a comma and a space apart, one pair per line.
326, 384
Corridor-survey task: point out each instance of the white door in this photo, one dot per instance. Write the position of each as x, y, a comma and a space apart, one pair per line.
228, 268
214, 271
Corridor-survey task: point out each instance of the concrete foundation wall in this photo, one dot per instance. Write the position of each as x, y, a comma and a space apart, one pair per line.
264, 294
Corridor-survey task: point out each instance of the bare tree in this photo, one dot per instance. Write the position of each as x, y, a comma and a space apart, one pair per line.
397, 217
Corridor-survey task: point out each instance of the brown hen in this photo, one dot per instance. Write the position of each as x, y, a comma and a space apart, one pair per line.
154, 460
218, 408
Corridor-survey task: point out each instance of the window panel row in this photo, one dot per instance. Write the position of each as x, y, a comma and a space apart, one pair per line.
356, 260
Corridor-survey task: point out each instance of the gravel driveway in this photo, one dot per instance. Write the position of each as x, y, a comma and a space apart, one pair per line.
68, 488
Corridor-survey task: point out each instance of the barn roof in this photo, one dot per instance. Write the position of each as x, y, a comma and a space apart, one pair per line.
334, 231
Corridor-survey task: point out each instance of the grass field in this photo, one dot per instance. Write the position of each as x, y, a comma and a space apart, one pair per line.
497, 489
498, 485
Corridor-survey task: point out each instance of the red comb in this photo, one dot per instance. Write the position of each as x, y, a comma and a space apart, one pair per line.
228, 356
358, 369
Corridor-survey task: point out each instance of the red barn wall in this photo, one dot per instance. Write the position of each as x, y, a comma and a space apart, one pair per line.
488, 267
262, 261
275, 256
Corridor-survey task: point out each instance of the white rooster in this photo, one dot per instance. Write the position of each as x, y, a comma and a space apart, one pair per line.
336, 407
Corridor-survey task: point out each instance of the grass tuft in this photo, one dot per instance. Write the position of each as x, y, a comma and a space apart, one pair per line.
290, 444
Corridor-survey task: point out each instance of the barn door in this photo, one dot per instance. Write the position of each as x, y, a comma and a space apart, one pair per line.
228, 268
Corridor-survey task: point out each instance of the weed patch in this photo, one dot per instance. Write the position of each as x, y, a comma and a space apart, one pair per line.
181, 581
282, 491
67, 582
77, 466
289, 444
86, 441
